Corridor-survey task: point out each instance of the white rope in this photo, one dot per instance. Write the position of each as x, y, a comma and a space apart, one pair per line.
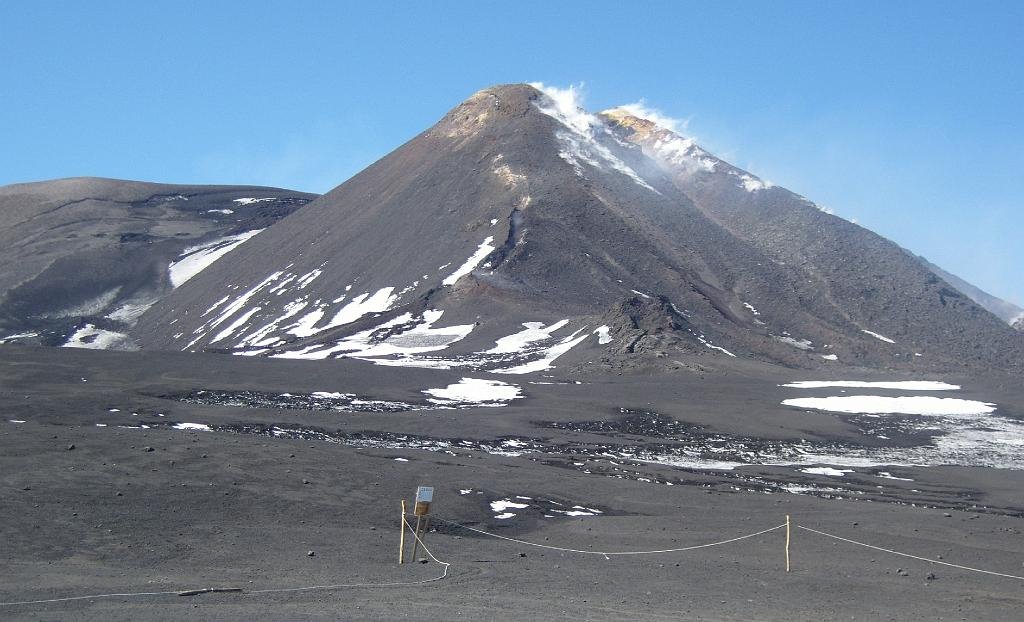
91, 596
443, 575
610, 553
924, 559
447, 565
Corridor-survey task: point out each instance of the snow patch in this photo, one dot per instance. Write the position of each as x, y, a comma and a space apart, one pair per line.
256, 338
394, 337
507, 504
708, 344
91, 338
215, 305
518, 342
231, 309
905, 405
362, 305
305, 326
308, 278
485, 249
548, 357
510, 349
877, 336
827, 471
904, 385
475, 391
195, 259
238, 323
603, 336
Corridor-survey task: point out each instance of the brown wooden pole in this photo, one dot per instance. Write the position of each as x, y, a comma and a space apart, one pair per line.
416, 542
423, 533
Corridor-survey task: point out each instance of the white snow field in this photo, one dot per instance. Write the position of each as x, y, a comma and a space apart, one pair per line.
195, 259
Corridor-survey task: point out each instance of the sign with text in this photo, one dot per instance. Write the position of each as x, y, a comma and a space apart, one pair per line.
424, 495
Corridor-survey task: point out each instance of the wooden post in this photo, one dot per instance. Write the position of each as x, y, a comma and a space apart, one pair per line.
416, 541
401, 538
423, 532
787, 542
424, 495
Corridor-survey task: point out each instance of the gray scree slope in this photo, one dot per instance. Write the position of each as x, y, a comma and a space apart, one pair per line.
76, 250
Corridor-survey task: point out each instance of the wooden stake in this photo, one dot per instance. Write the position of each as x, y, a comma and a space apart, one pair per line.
787, 542
401, 538
416, 542
423, 534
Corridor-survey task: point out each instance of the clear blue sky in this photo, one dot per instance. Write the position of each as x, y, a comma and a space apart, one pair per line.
905, 116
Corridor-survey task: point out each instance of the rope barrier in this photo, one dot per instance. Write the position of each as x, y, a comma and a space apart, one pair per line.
446, 565
924, 559
91, 596
442, 576
609, 553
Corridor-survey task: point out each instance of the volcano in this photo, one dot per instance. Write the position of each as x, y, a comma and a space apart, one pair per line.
521, 228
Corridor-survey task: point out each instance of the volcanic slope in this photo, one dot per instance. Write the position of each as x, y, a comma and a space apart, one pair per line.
82, 258
520, 229
871, 281
784, 224
1003, 309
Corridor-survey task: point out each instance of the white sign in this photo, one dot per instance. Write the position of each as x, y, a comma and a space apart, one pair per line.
424, 494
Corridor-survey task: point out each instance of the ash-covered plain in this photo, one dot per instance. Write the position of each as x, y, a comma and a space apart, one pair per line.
116, 480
